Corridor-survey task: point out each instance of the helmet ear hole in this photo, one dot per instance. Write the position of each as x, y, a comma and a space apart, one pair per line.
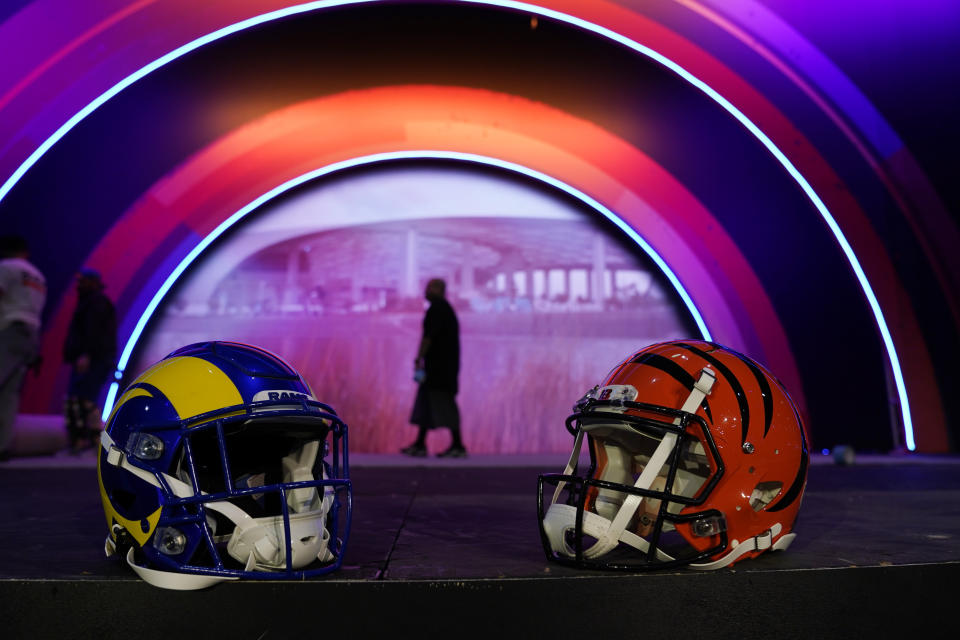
764, 493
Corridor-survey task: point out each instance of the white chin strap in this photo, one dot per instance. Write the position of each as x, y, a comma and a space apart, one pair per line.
560, 519
260, 541
257, 542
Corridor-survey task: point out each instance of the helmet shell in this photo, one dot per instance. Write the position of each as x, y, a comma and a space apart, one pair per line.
753, 422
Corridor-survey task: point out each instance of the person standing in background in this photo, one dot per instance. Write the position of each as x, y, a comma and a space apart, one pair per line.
436, 369
91, 350
23, 291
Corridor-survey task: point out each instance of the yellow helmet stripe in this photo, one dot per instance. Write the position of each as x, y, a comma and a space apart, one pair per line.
192, 385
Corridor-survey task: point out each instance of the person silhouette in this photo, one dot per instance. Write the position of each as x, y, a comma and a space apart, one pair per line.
23, 292
436, 369
91, 350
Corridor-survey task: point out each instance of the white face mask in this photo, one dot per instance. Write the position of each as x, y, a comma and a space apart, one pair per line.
617, 513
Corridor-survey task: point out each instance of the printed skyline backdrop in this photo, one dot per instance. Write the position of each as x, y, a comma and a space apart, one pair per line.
549, 299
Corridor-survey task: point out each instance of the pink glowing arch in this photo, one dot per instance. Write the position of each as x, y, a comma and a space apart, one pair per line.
96, 46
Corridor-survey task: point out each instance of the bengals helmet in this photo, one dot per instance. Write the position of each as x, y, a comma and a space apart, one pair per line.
697, 457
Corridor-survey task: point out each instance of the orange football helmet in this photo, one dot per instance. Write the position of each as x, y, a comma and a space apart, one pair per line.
697, 457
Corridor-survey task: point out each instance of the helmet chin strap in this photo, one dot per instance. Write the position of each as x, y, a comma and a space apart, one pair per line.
610, 533
561, 518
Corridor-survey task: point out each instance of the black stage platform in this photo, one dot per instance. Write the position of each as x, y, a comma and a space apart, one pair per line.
451, 548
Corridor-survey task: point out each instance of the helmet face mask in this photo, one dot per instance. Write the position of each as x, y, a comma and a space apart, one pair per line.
621, 446
669, 482
257, 489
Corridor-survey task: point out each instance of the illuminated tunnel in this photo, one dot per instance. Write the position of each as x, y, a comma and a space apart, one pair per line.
717, 133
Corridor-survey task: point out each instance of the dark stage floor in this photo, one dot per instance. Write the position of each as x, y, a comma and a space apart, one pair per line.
438, 543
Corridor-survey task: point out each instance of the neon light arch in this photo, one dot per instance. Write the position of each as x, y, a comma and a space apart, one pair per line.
282, 146
602, 31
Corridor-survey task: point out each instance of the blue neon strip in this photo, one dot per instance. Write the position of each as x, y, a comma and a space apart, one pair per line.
111, 397
383, 157
562, 17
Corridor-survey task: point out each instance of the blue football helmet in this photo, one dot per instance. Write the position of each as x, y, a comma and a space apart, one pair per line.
213, 466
